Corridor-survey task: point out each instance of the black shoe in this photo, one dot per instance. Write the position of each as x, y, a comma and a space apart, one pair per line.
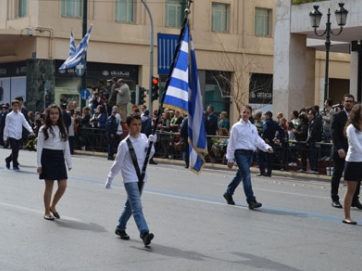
147, 238
336, 204
122, 234
260, 174
7, 164
267, 175
110, 158
229, 199
152, 162
187, 166
254, 204
55, 214
357, 204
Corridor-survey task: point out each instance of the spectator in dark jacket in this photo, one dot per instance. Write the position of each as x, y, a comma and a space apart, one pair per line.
314, 136
270, 129
301, 134
111, 130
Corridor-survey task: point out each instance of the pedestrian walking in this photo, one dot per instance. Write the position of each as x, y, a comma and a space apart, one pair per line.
353, 164
53, 152
244, 139
14, 123
130, 158
340, 144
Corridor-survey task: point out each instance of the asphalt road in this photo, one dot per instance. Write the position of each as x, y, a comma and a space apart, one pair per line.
296, 229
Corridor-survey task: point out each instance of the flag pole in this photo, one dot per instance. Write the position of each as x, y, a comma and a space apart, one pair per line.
187, 12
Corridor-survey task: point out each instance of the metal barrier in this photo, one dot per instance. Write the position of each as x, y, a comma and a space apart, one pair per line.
292, 155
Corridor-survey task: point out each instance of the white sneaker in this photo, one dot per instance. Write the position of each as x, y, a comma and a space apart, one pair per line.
292, 164
301, 170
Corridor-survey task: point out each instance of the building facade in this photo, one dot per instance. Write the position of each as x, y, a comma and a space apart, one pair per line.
300, 55
234, 42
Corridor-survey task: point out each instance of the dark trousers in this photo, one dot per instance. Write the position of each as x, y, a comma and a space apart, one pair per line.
269, 157
111, 145
14, 145
186, 152
71, 140
338, 164
302, 150
313, 157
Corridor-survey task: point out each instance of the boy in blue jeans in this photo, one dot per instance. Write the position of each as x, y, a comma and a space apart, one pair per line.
125, 164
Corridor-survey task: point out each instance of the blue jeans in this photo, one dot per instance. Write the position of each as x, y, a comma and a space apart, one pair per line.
133, 206
243, 160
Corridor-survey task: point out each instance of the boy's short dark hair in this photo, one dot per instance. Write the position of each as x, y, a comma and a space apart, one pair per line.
19, 98
133, 116
15, 102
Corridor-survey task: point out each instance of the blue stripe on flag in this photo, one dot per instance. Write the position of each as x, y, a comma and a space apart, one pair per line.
79, 54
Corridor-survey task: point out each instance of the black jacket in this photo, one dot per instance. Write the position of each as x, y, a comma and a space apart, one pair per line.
337, 131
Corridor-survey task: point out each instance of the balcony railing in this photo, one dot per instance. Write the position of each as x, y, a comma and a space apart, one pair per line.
298, 2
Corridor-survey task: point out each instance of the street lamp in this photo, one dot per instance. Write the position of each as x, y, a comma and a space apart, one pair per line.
315, 19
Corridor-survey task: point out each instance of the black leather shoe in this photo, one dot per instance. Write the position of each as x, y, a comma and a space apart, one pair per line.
7, 164
152, 162
357, 204
254, 204
122, 234
229, 199
147, 238
267, 175
336, 204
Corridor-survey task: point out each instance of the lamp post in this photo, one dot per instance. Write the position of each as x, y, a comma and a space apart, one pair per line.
315, 18
151, 56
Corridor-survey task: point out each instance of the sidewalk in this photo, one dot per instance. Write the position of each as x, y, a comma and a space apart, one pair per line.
254, 170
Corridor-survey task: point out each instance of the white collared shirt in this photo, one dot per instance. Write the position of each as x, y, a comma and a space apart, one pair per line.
123, 161
244, 135
14, 123
354, 153
54, 142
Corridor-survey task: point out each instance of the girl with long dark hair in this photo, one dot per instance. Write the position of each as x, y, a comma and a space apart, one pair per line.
53, 152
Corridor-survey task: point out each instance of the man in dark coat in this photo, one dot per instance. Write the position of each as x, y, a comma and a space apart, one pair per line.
340, 144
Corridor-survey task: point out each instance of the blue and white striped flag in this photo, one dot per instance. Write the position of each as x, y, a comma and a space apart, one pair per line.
77, 57
184, 94
72, 46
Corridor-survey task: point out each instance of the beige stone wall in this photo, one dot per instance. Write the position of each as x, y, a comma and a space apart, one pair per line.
238, 51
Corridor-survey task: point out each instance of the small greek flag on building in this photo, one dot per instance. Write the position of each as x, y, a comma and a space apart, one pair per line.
79, 54
72, 46
184, 94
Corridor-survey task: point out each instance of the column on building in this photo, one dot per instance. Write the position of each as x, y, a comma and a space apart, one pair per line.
353, 86
294, 65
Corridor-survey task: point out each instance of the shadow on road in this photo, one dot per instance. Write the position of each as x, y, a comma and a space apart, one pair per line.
76, 225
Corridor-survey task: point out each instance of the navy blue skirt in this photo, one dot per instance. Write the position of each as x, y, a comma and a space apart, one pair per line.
353, 171
53, 165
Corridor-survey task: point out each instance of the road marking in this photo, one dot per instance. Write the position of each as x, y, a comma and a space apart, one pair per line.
23, 208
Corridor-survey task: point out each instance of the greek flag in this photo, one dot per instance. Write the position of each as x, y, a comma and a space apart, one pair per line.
72, 46
77, 57
184, 94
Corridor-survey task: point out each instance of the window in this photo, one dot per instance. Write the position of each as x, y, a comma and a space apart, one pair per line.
219, 20
72, 8
125, 11
217, 90
174, 12
262, 22
22, 8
